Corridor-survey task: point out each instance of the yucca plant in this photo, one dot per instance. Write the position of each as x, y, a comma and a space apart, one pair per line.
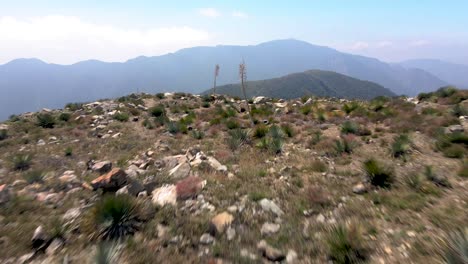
237, 138
401, 145
345, 145
346, 244
378, 174
455, 250
349, 127
216, 73
35, 176
243, 78
437, 179
113, 217
22, 161
106, 253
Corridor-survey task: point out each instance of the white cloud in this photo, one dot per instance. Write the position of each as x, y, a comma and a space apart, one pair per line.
419, 43
360, 45
64, 39
239, 14
384, 44
209, 12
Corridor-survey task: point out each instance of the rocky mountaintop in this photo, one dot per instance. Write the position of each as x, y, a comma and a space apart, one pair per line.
181, 178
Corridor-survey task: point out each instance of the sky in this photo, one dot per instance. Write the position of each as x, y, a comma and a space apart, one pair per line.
66, 32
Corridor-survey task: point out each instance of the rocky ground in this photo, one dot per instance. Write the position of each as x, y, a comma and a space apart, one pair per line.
180, 178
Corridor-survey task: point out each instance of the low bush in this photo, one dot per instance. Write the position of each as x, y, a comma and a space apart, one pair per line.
35, 176
346, 244
65, 117
157, 111
237, 138
455, 250
121, 117
3, 134
45, 120
401, 146
260, 131
378, 174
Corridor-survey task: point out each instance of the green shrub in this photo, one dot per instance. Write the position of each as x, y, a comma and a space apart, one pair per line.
287, 130
196, 134
349, 127
350, 107
306, 109
346, 244
176, 127
260, 131
238, 138
22, 161
345, 145
318, 166
68, 152
459, 110
274, 140
35, 176
206, 104
437, 179
401, 145
3, 134
414, 181
463, 172
113, 217
454, 151
45, 120
378, 174
121, 117
65, 117
455, 250
160, 95
232, 124
157, 111
74, 106
147, 123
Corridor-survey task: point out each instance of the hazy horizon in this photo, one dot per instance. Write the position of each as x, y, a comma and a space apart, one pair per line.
69, 32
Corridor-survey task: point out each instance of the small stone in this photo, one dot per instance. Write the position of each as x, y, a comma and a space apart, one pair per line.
232, 209
206, 239
230, 233
71, 215
291, 257
269, 229
359, 188
320, 218
41, 142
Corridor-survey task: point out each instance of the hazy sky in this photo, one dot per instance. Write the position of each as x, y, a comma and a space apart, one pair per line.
68, 31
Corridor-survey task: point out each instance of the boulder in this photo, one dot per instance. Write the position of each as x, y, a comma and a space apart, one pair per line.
270, 206
269, 229
180, 171
189, 187
166, 194
112, 181
102, 166
221, 221
260, 100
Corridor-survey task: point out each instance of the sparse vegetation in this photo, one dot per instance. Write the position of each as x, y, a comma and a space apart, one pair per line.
379, 175
346, 244
45, 120
113, 217
22, 161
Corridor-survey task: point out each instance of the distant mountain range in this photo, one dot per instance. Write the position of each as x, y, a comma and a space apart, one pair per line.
30, 84
313, 82
455, 74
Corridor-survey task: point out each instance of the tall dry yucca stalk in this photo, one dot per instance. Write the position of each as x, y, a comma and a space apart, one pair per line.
243, 77
216, 73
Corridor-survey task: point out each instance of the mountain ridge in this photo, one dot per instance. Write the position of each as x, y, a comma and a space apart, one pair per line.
39, 85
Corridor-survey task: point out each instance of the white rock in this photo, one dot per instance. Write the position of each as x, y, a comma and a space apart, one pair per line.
268, 205
166, 194
269, 228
